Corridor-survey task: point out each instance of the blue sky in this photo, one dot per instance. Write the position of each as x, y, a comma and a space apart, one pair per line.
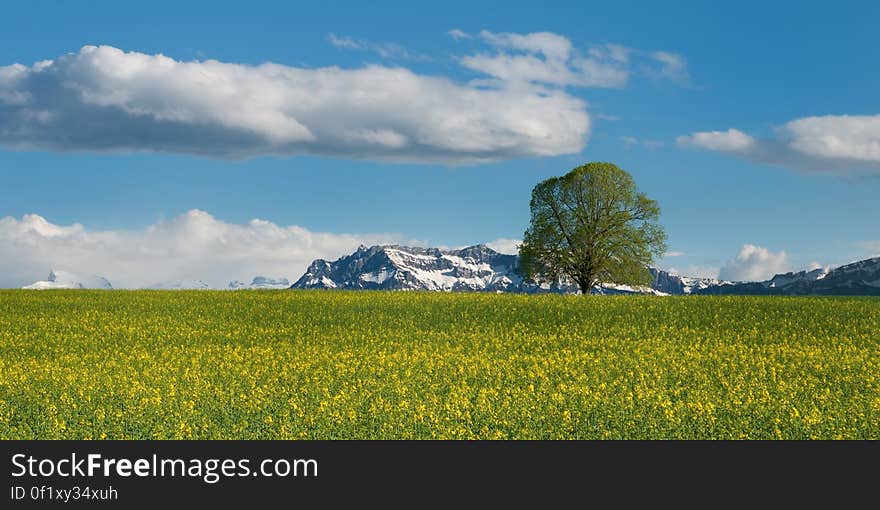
764, 131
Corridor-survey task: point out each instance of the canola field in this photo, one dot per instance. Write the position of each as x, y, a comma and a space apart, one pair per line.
394, 365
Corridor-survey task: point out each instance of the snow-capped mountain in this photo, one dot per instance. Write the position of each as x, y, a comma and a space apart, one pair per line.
797, 278
181, 285
860, 278
260, 283
67, 280
475, 268
479, 268
668, 283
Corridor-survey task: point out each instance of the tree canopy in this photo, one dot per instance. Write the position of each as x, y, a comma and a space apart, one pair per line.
592, 225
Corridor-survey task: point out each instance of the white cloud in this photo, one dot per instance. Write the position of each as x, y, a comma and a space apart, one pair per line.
613, 52
830, 144
384, 50
673, 66
505, 245
545, 58
344, 42
104, 99
731, 140
550, 59
459, 34
674, 254
816, 265
755, 263
553, 46
194, 245
849, 137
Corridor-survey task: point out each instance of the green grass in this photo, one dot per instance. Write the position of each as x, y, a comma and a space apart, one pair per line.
359, 365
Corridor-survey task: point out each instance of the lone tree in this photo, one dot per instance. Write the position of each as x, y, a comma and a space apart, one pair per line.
592, 225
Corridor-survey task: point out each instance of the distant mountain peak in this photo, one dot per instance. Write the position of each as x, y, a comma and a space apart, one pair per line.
860, 278
670, 283
260, 283
59, 279
185, 284
476, 268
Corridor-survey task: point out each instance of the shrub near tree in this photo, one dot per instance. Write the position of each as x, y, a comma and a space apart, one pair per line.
592, 225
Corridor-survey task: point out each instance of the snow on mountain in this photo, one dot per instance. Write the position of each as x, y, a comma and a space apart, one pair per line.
862, 277
181, 285
797, 278
479, 268
260, 283
475, 268
858, 278
670, 283
607, 289
67, 280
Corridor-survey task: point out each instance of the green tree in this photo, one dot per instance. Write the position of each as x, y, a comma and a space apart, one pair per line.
592, 225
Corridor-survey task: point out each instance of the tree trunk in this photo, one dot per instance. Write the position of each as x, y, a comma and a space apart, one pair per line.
585, 286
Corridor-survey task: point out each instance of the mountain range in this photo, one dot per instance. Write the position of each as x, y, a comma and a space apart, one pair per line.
479, 268
67, 280
260, 283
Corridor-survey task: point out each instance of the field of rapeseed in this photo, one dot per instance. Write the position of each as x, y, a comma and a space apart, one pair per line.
343, 365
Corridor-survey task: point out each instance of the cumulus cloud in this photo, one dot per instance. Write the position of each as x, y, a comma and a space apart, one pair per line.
104, 99
829, 144
835, 137
755, 263
551, 59
731, 140
505, 245
194, 245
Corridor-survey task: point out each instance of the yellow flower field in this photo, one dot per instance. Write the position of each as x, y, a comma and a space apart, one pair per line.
389, 365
